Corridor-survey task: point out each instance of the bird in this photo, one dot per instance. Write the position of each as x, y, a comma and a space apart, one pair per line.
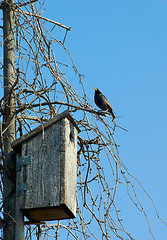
102, 102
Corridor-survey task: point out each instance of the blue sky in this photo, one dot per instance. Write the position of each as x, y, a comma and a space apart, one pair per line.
121, 48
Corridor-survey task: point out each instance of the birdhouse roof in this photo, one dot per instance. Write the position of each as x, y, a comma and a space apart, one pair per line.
50, 122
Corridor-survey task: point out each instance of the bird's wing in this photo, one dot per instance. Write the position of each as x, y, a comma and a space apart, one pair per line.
110, 108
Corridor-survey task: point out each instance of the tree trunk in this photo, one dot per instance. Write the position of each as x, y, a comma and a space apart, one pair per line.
9, 127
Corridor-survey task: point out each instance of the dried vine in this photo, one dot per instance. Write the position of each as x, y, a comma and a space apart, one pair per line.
43, 89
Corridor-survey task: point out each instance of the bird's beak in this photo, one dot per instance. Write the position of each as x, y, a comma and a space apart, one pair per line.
95, 88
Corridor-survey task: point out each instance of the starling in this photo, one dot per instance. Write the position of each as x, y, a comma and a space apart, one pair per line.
102, 102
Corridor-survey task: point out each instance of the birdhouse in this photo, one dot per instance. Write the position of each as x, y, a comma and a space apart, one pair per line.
46, 169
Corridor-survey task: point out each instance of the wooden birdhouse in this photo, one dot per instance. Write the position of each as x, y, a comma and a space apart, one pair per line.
46, 166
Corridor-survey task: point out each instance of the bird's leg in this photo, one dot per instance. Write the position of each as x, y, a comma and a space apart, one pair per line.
101, 112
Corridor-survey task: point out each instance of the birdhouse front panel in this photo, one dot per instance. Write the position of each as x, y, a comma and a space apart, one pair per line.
47, 174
